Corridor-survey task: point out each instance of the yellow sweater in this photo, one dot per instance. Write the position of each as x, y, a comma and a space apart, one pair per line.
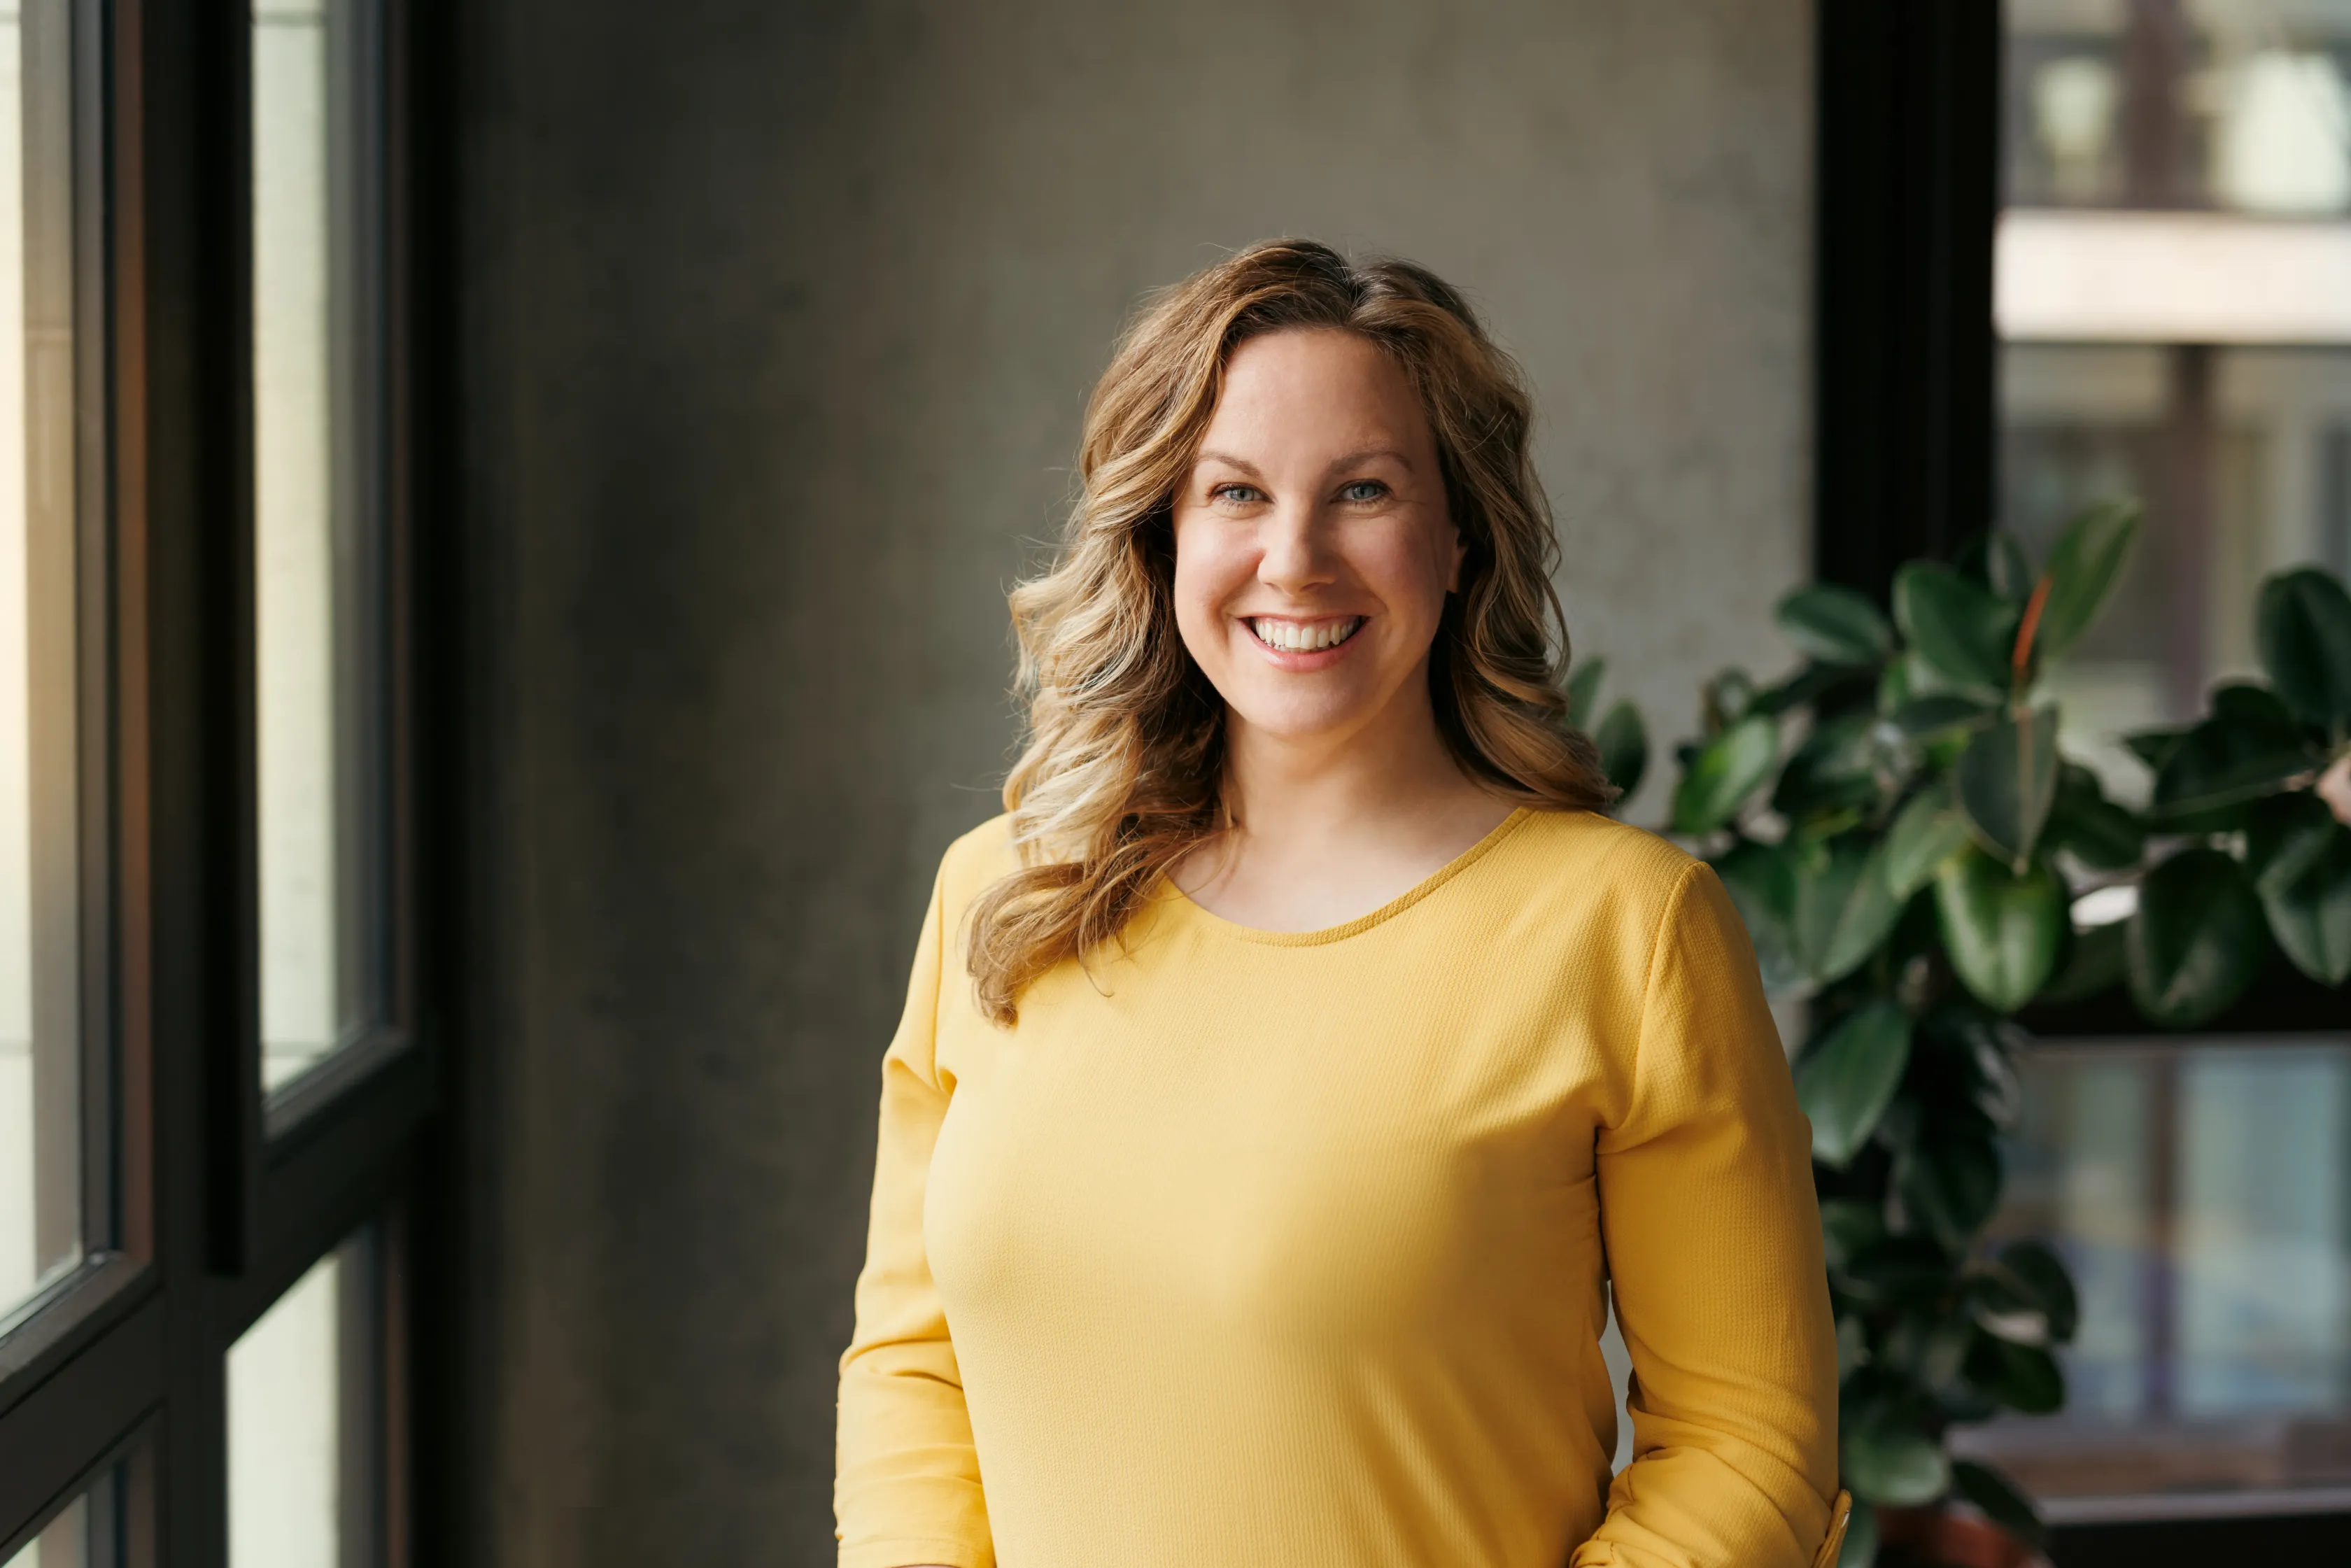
1271, 1250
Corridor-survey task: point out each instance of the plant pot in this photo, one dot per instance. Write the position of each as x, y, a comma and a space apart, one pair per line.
1947, 1539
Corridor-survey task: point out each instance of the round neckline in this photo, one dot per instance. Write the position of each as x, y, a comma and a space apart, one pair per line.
1362, 923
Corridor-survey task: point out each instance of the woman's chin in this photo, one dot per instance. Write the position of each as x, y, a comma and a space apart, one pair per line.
1304, 723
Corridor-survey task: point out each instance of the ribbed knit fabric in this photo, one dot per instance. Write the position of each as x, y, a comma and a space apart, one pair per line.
1268, 1250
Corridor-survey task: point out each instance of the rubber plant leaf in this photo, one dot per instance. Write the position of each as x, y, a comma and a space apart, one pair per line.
1948, 1177
2001, 929
1962, 631
1623, 743
1926, 832
1725, 771
2082, 572
2303, 626
2301, 861
1846, 1079
1834, 625
2007, 780
1890, 1461
2196, 942
1582, 691
2001, 1500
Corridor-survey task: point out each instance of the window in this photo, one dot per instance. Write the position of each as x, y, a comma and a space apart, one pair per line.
88, 1532
319, 556
2172, 287
42, 1144
2203, 1190
213, 1090
304, 1395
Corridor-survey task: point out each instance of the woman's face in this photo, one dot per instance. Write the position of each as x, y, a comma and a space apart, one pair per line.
1312, 549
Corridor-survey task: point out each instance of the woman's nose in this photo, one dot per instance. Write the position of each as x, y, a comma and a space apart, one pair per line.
1296, 554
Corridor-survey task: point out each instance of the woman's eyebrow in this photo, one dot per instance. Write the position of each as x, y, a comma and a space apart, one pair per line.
1369, 452
1229, 461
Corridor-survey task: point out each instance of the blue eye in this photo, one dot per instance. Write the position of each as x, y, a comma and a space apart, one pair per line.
1242, 494
1363, 490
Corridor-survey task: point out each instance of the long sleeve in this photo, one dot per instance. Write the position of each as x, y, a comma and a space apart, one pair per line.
1713, 1244
907, 1487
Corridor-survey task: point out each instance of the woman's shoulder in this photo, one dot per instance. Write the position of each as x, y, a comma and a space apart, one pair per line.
1606, 892
1586, 858
976, 860
1581, 864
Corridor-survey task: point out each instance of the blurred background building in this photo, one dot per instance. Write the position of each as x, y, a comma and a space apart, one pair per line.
505, 513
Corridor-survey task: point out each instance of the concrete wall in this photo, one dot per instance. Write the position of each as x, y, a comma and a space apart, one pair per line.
777, 322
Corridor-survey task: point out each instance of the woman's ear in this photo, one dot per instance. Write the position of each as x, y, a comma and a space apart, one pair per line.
1460, 554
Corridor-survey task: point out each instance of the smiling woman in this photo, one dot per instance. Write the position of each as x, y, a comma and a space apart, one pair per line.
1325, 1057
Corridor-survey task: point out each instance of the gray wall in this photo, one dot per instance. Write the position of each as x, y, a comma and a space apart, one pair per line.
776, 321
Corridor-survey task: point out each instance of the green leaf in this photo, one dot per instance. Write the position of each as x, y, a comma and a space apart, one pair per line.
2007, 779
1761, 881
1860, 1548
1844, 908
1834, 625
1928, 1345
1729, 697
2007, 566
2041, 1284
2021, 1376
1948, 1177
2285, 836
2002, 1499
2155, 747
1996, 558
2002, 930
1897, 1269
1926, 832
1582, 691
1891, 1461
2090, 827
2197, 940
1623, 743
1847, 1225
2300, 858
1836, 769
2303, 624
1963, 632
2093, 965
1844, 1081
2224, 761
2082, 573
2256, 708
1725, 771
1937, 711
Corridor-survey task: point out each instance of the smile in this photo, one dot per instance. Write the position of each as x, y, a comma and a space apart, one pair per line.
1303, 636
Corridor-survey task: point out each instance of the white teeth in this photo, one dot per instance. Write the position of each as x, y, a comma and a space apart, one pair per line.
1293, 637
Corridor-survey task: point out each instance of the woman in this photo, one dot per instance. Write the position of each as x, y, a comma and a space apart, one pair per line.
1285, 1074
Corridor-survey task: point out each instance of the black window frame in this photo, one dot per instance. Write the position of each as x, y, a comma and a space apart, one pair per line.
216, 1199
1904, 356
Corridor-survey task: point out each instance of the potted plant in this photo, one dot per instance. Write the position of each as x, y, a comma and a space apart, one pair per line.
1898, 828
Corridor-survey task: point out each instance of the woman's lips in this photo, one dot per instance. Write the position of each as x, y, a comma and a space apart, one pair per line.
1296, 643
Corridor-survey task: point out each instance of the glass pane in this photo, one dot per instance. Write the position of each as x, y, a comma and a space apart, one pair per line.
300, 1420
88, 1534
2233, 105
2243, 457
2202, 1195
40, 1049
317, 543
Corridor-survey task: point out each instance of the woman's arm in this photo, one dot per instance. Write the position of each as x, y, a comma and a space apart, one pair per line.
1714, 1252
906, 1481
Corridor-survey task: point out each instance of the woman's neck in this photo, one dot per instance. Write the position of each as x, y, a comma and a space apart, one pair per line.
1329, 828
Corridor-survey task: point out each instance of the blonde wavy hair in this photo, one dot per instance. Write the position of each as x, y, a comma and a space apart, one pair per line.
1122, 774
